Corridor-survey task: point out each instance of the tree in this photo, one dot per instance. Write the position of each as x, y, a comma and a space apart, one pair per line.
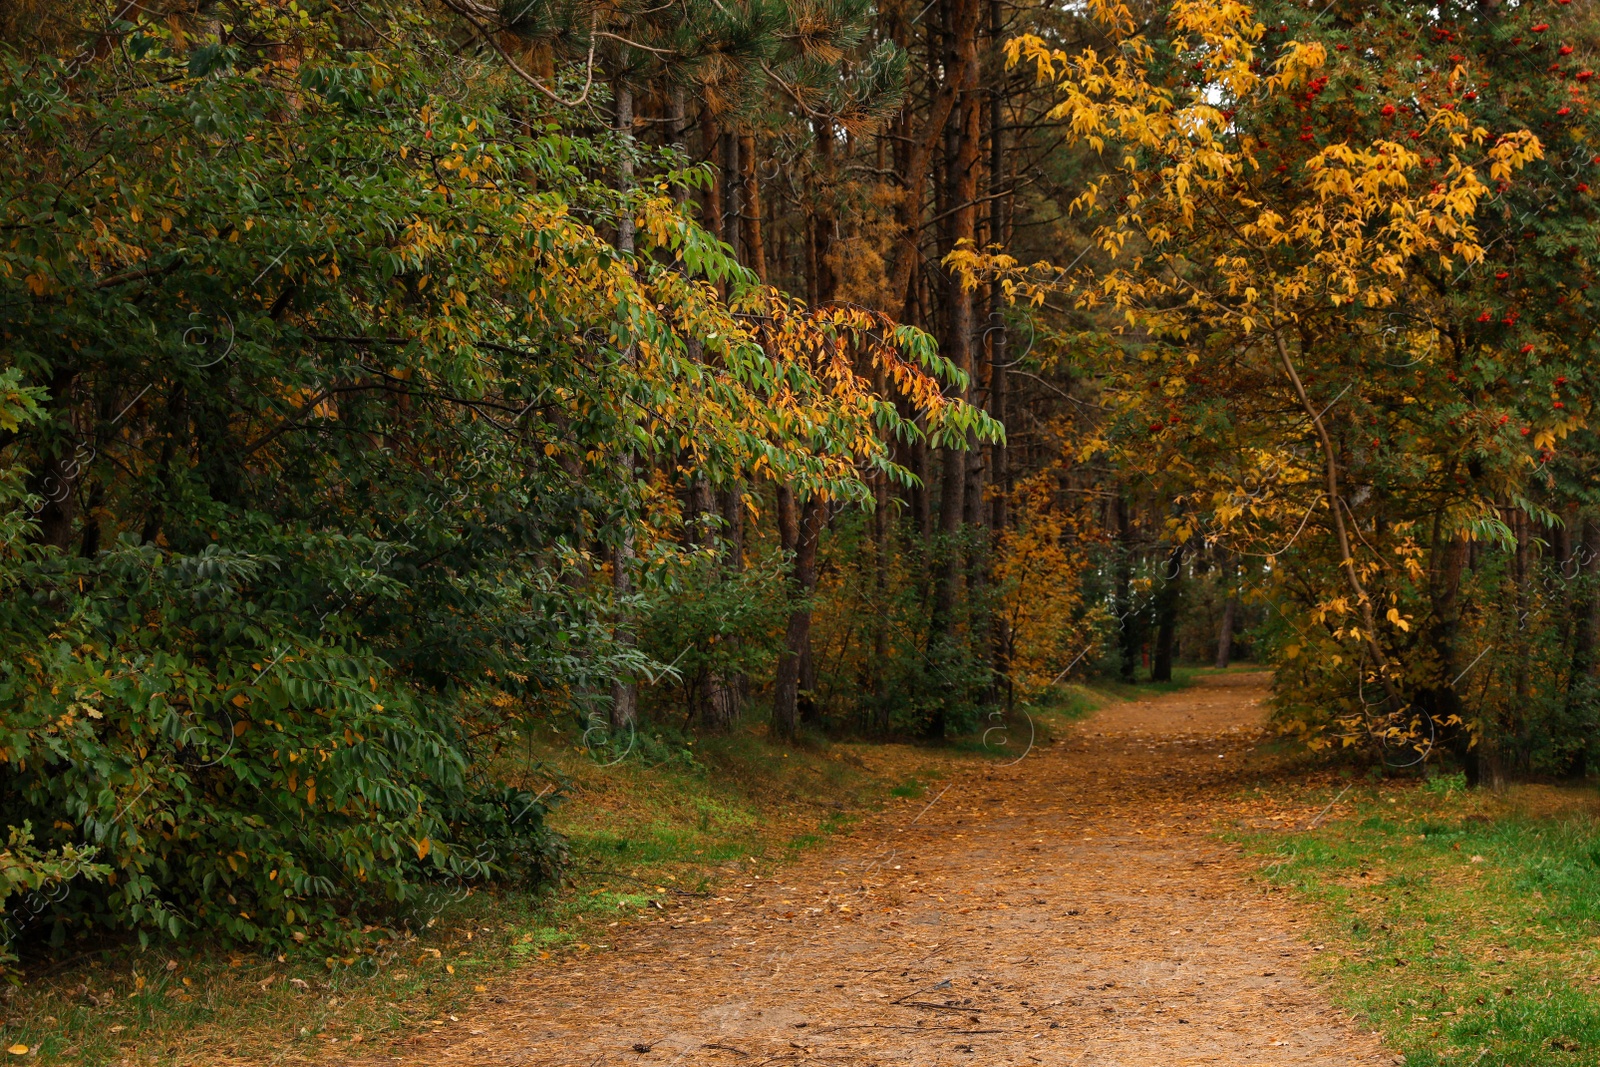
1313, 224
335, 357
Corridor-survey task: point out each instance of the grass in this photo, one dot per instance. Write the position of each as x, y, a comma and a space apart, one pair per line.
1110, 687
1462, 924
646, 837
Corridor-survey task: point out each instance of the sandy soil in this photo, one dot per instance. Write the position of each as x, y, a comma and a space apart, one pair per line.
1068, 910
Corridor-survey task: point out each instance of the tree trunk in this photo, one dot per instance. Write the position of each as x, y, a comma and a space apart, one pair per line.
919, 154
998, 354
64, 457
961, 162
1225, 634
678, 117
710, 145
1167, 616
824, 226
800, 530
756, 249
624, 691
1130, 633
880, 605
732, 200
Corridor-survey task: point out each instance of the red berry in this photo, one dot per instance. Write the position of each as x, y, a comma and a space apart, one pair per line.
1561, 379
1388, 109
1503, 275
1485, 317
1566, 49
1541, 27
1563, 110
1526, 431
1559, 404
1526, 349
1583, 187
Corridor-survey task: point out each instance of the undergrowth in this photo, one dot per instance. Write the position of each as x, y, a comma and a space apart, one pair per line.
646, 837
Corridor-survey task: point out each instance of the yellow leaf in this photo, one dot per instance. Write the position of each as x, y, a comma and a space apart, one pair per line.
423, 848
18, 1050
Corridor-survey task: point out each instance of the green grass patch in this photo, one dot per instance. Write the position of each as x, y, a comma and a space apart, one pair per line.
1109, 687
1462, 925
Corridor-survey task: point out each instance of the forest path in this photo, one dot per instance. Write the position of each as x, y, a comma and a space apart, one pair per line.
1069, 909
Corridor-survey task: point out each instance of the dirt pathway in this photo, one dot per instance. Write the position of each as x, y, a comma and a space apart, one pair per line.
1067, 910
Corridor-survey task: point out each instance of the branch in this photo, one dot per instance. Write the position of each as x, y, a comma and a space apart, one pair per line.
1346, 560
489, 38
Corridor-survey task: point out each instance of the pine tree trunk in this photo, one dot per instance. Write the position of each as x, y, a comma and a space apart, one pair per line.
824, 226
999, 351
800, 531
732, 198
624, 692
679, 120
880, 605
756, 249
963, 142
1167, 616
725, 695
710, 145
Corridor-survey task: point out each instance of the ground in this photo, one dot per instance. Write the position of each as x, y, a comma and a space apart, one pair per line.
1071, 908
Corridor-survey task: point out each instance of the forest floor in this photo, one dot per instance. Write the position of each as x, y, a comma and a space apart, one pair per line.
1073, 908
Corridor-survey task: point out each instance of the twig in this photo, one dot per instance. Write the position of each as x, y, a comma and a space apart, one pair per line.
937, 1007
932, 802
1329, 808
924, 1029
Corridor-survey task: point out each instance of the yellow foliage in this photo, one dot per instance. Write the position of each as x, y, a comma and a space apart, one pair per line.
1040, 559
